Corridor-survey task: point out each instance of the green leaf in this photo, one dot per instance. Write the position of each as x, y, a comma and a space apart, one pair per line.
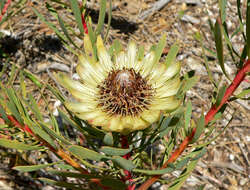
61, 23
65, 167
180, 164
115, 48
159, 48
248, 28
2, 3
189, 83
12, 75
219, 45
123, 163
155, 172
108, 139
71, 186
109, 20
50, 25
177, 184
77, 13
223, 4
34, 79
199, 129
18, 145
220, 95
2, 126
140, 54
54, 134
32, 168
102, 12
198, 36
243, 93
40, 132
23, 86
172, 54
113, 183
202, 152
92, 37
34, 107
84, 153
188, 115
165, 128
115, 151
200, 187
14, 111
4, 115
72, 174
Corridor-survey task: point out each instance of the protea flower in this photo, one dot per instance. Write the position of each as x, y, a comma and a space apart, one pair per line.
122, 93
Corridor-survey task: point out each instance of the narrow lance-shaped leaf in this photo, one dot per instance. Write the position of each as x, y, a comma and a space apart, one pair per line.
219, 44
50, 25
113, 183
199, 129
155, 172
18, 145
84, 153
65, 31
172, 54
72, 186
77, 13
115, 151
159, 48
220, 95
123, 163
188, 115
101, 17
177, 184
109, 20
223, 4
32, 167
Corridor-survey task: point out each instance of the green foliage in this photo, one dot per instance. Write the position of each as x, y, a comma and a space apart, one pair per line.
103, 153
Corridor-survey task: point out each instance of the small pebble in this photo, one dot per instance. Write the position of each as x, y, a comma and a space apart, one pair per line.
231, 157
243, 181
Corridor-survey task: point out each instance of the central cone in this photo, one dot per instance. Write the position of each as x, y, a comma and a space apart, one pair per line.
124, 92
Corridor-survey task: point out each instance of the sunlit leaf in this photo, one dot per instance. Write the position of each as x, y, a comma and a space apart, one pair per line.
123, 163
115, 151
32, 167
102, 12
17, 145
84, 153
108, 139
172, 54
77, 13
199, 128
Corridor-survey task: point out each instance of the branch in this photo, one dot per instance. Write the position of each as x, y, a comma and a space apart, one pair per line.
5, 9
209, 117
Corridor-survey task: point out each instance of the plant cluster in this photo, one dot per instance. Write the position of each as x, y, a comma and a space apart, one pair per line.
125, 102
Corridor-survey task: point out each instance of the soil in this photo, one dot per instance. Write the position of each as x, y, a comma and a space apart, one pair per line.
33, 45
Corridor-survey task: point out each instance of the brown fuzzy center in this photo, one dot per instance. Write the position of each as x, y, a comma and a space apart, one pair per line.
124, 92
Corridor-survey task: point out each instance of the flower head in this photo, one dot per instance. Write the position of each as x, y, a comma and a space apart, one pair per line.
122, 93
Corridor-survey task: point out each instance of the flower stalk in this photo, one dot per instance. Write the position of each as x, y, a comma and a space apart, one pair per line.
209, 117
